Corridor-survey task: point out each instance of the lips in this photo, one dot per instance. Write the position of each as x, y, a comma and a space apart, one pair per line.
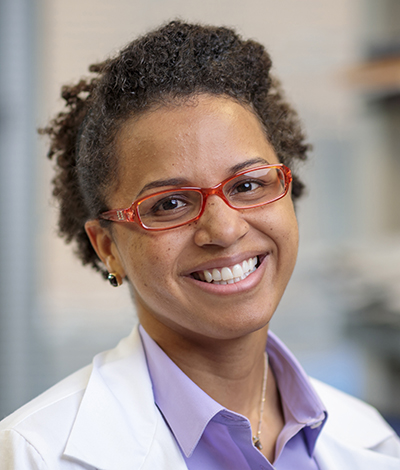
228, 274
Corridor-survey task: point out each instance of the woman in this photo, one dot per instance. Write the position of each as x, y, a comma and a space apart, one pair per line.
174, 176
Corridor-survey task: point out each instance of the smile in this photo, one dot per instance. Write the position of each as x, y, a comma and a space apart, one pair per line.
228, 275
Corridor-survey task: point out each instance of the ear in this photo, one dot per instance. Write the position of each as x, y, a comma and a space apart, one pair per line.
105, 247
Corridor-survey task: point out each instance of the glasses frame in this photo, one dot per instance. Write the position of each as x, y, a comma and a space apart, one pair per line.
131, 214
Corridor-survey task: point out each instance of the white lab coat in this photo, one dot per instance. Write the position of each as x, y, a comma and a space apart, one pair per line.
104, 417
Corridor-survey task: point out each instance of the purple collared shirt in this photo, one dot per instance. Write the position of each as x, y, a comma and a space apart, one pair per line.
212, 437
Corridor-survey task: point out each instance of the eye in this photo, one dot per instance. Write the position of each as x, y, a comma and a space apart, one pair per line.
246, 186
170, 203
167, 207
255, 187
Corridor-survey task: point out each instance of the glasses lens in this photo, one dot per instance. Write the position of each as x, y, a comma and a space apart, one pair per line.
170, 208
255, 187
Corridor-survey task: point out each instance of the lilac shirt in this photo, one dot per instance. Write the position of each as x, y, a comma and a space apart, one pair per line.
212, 437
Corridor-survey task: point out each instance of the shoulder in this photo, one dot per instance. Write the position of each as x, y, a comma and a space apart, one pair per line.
356, 423
38, 431
67, 390
64, 397
65, 394
103, 413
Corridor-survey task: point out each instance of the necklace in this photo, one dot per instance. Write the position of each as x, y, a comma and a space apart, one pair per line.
256, 438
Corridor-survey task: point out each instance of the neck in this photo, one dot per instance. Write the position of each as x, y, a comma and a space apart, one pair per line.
231, 372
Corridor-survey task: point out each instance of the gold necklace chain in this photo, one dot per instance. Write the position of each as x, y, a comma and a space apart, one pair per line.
256, 438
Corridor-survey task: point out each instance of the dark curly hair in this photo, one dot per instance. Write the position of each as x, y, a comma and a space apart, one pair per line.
174, 62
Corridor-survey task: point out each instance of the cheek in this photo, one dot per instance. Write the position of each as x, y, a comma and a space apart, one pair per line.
290, 240
289, 229
279, 222
280, 225
149, 259
288, 224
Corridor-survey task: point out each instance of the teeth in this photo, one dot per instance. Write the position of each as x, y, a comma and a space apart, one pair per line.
216, 275
226, 274
245, 266
237, 271
229, 275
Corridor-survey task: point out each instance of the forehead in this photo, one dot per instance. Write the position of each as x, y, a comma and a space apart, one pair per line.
196, 139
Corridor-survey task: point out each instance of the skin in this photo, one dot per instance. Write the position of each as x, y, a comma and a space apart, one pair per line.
215, 334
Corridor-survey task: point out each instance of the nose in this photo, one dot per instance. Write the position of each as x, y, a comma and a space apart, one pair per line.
219, 225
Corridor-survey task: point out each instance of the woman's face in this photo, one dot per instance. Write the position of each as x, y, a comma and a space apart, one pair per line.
199, 144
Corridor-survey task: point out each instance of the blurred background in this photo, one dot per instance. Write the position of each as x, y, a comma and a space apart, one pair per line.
339, 62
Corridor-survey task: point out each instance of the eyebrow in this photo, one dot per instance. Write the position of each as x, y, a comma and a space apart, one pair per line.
247, 163
162, 183
184, 182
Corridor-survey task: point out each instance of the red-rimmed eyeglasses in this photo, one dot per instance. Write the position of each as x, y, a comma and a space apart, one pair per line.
173, 208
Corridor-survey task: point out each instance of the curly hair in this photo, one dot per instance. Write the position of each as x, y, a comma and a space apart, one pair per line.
175, 62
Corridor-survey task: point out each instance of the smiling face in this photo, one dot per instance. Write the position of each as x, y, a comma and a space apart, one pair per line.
200, 143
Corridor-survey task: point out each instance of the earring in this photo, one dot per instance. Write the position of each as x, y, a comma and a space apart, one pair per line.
114, 279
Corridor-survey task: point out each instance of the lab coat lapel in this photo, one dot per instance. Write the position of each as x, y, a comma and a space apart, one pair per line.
118, 427
352, 434
331, 454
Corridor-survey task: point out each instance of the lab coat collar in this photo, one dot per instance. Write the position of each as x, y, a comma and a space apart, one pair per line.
353, 434
332, 454
117, 426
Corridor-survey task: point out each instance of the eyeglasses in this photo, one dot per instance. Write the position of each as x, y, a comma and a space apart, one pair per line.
173, 208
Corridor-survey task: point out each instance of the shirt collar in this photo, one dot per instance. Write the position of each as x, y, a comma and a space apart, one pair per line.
306, 407
188, 409
185, 406
301, 404
117, 426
